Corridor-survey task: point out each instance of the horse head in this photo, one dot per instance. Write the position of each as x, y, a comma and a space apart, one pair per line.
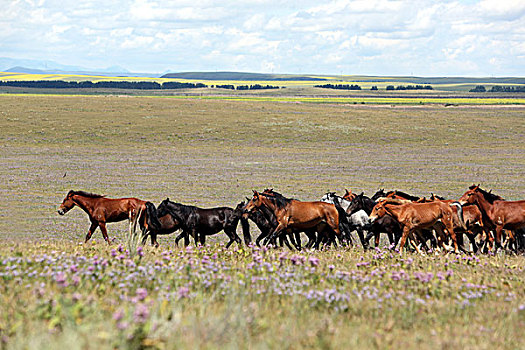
163, 208
254, 203
378, 211
67, 204
349, 195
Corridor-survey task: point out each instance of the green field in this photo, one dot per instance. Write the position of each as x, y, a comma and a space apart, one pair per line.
302, 82
57, 293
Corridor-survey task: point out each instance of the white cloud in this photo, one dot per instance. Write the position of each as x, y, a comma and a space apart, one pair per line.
315, 36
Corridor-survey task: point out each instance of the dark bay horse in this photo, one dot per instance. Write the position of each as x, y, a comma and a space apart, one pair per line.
291, 213
200, 222
497, 212
155, 225
102, 210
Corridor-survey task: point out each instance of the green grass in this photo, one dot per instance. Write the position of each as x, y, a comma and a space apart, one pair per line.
213, 152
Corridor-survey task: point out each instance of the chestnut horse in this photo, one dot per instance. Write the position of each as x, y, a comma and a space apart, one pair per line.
417, 216
291, 213
471, 215
496, 211
102, 210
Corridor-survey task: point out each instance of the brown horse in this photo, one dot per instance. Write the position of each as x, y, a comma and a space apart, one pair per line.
496, 211
291, 213
102, 210
471, 215
417, 216
349, 196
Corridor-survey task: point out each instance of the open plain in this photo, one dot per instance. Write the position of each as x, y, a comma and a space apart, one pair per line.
57, 293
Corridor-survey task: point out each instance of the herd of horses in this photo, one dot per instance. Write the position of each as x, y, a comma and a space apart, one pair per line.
427, 224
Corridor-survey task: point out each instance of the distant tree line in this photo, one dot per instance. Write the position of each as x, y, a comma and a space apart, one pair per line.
256, 87
374, 88
339, 86
409, 87
139, 85
498, 88
229, 87
246, 87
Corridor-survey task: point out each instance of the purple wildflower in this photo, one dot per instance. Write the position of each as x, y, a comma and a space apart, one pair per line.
141, 313
118, 315
313, 261
183, 292
142, 293
61, 280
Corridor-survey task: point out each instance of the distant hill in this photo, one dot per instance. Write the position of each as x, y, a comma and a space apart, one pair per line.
439, 80
240, 76
109, 73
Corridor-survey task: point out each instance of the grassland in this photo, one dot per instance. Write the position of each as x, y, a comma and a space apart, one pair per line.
443, 84
209, 152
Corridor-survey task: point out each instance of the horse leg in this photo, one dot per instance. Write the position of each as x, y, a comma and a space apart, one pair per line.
246, 231
260, 238
182, 235
276, 231
283, 238
104, 231
195, 235
154, 240
499, 230
406, 231
364, 243
92, 229
312, 237
450, 228
233, 237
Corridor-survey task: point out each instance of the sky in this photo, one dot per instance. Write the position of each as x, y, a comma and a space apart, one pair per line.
368, 37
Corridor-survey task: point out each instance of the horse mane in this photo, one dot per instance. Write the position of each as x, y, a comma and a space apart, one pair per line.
278, 199
379, 193
404, 195
385, 200
438, 197
178, 210
489, 196
85, 194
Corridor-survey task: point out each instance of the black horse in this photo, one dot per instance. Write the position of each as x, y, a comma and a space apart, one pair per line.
199, 222
386, 224
155, 225
379, 194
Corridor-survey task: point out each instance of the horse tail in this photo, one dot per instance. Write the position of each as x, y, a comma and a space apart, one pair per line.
151, 217
460, 214
246, 230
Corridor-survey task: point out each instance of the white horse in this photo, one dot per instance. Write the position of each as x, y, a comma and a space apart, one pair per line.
359, 219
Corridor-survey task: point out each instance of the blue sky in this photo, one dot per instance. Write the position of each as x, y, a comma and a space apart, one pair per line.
372, 37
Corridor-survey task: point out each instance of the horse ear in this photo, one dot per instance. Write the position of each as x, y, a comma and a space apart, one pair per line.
255, 193
346, 192
248, 199
362, 194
